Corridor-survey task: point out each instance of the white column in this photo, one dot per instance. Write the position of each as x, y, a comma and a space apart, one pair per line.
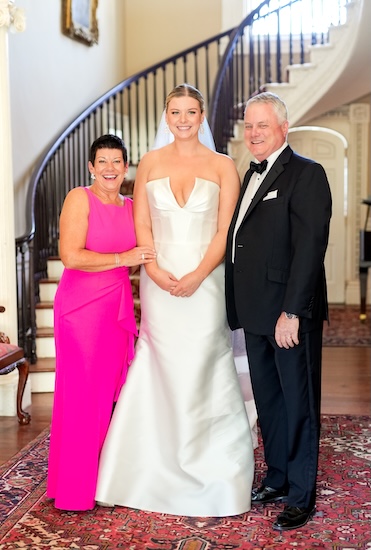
10, 16
8, 296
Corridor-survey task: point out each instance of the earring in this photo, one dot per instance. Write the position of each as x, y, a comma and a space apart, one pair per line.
92, 176
166, 129
202, 129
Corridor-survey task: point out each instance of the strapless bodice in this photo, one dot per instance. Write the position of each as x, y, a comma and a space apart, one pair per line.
195, 222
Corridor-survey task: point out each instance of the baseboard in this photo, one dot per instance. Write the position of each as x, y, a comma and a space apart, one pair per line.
8, 394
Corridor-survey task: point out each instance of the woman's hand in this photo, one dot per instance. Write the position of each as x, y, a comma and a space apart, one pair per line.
139, 255
186, 286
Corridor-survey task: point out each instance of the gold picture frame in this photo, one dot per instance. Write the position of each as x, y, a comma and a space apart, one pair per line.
80, 20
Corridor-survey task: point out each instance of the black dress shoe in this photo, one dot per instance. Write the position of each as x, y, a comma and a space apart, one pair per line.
266, 494
293, 517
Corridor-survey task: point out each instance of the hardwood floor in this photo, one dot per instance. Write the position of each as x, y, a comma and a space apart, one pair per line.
346, 381
346, 384
14, 437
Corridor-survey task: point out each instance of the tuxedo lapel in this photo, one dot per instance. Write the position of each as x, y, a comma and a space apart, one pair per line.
270, 178
242, 192
246, 180
235, 214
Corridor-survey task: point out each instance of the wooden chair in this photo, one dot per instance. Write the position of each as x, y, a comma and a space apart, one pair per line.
12, 357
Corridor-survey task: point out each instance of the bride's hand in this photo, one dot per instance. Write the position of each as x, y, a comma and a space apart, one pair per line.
187, 285
164, 279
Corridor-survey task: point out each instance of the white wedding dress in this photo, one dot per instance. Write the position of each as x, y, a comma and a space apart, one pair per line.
180, 441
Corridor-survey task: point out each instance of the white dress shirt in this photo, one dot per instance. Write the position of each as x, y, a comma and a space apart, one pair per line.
252, 187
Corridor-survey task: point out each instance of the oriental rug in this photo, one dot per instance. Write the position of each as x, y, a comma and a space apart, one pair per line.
29, 521
345, 328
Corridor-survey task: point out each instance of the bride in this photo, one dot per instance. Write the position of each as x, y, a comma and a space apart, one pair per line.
179, 440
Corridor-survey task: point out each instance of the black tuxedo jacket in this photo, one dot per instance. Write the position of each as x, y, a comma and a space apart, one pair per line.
280, 248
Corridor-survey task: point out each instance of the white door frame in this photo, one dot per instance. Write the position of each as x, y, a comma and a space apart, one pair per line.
329, 148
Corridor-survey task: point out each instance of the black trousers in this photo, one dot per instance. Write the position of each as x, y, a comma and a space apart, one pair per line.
287, 391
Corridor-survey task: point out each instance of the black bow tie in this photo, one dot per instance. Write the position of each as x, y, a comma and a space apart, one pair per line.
258, 167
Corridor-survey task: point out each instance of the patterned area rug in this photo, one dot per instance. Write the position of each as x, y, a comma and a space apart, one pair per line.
345, 329
29, 521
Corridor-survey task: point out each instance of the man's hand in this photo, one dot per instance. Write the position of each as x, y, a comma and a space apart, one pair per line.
287, 331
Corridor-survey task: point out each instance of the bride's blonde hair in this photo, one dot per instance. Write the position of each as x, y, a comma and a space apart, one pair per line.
185, 90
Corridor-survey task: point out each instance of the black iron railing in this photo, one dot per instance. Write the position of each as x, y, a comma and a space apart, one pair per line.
275, 35
228, 68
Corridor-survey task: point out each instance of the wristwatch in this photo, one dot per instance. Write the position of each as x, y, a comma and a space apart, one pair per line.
290, 315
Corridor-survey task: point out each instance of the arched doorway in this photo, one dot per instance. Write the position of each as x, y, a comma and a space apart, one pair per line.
329, 148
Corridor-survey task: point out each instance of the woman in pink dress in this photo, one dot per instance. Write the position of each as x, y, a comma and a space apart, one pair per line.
94, 322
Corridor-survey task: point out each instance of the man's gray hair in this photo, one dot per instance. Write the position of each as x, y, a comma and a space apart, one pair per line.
268, 97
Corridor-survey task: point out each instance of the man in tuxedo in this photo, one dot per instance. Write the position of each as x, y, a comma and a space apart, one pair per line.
276, 291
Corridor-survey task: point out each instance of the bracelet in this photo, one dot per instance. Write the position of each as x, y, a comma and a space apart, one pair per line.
117, 260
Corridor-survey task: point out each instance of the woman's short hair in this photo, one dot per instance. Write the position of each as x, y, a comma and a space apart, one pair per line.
108, 141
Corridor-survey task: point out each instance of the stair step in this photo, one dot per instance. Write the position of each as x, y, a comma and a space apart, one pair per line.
45, 305
42, 375
43, 364
299, 71
336, 33
45, 345
55, 267
42, 382
45, 314
48, 288
319, 52
127, 187
44, 332
137, 311
134, 279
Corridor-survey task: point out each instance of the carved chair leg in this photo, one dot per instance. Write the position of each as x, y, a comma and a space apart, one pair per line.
23, 368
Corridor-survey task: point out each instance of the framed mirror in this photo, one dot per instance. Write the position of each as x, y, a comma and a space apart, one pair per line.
80, 20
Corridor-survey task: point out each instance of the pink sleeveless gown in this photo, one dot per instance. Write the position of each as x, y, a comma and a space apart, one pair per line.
94, 328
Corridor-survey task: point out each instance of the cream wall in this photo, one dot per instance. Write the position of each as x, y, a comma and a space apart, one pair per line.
159, 29
53, 78
233, 12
